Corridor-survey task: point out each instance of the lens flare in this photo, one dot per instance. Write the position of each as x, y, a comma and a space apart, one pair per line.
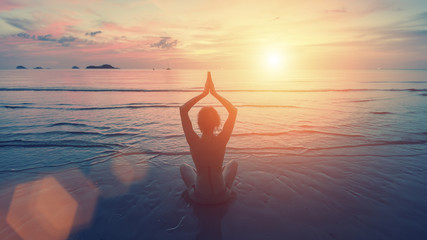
42, 209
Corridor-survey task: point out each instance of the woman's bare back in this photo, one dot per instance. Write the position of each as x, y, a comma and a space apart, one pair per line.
208, 156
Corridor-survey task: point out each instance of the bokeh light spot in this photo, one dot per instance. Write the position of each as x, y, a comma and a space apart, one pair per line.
42, 209
84, 191
129, 168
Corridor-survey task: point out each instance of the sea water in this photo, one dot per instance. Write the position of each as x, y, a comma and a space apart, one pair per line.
323, 154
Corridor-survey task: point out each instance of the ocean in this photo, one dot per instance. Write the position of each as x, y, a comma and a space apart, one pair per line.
323, 154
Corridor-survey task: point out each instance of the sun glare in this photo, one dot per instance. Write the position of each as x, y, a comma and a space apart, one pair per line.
275, 61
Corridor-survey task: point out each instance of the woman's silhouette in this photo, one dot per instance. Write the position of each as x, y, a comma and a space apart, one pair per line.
210, 182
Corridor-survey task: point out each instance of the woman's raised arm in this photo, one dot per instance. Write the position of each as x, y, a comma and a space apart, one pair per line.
232, 112
190, 135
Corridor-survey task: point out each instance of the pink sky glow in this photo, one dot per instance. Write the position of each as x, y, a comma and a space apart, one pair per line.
214, 34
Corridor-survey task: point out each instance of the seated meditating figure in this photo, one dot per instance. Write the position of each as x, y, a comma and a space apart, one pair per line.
209, 182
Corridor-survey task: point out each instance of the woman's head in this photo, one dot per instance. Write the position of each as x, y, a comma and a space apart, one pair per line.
208, 120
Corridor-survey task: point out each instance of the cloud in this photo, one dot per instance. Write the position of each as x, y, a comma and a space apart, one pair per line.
25, 35
47, 37
404, 35
64, 41
8, 5
23, 24
418, 20
113, 27
165, 42
92, 34
421, 16
337, 10
67, 39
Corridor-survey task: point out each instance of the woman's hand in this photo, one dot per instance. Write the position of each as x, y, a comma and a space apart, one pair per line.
211, 84
206, 90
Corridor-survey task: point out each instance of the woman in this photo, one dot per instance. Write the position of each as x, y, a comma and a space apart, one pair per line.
209, 183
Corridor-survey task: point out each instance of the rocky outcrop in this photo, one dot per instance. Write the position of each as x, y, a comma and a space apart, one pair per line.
104, 66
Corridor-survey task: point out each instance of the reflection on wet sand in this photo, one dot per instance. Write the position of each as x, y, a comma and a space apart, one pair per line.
209, 218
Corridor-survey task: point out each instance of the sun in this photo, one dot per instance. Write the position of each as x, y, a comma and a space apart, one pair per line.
275, 60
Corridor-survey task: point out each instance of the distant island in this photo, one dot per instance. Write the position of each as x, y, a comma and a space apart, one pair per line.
38, 68
75, 67
104, 66
20, 67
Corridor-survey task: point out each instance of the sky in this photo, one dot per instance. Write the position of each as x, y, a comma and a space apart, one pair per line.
238, 34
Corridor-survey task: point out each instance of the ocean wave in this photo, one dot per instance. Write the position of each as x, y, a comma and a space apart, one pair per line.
374, 144
108, 155
272, 134
148, 105
157, 153
101, 158
120, 107
125, 106
295, 132
30, 107
75, 125
68, 124
70, 107
119, 134
24, 103
279, 150
393, 81
174, 136
63, 143
247, 134
104, 156
197, 90
293, 148
381, 113
364, 100
14, 106
265, 106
